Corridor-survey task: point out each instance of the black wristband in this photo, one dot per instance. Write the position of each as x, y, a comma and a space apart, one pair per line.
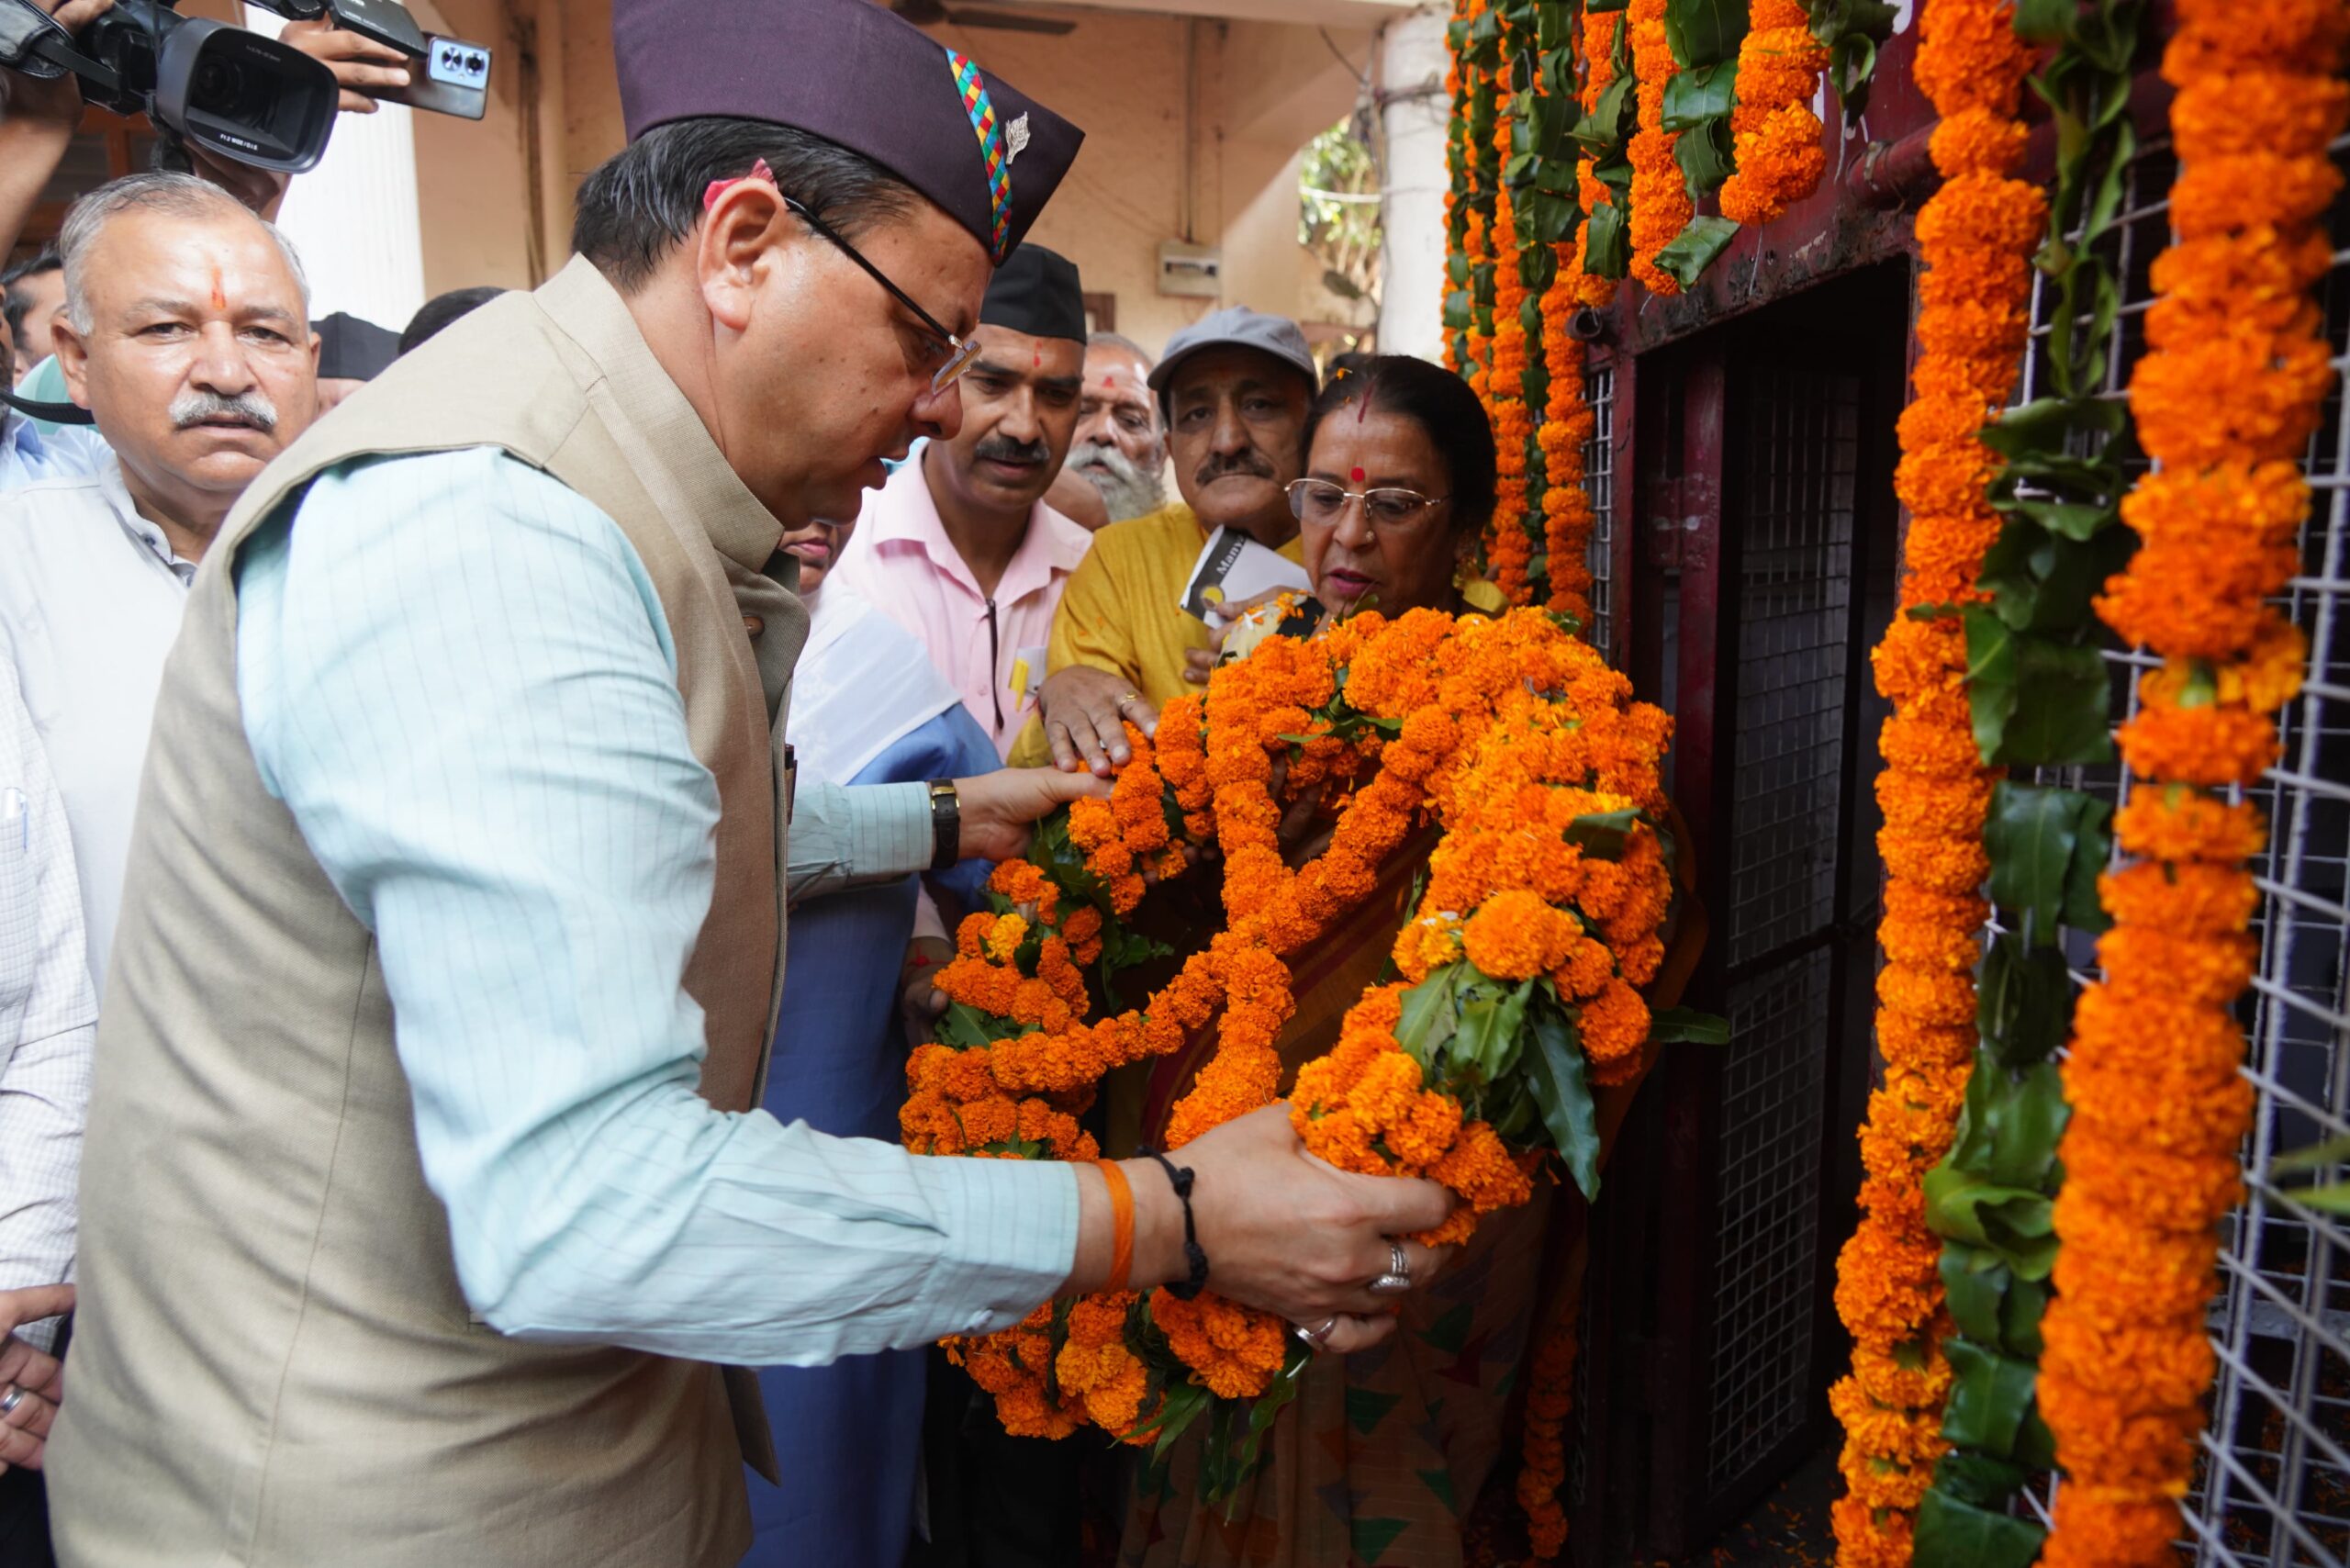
946, 823
1196, 1257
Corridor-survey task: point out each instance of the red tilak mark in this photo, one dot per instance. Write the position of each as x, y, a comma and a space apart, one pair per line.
921, 960
1362, 406
219, 299
1035, 359
1356, 475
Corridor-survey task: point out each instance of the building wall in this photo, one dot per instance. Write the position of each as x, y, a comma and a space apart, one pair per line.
1193, 129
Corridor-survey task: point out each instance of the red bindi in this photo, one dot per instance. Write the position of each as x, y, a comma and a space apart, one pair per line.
1356, 475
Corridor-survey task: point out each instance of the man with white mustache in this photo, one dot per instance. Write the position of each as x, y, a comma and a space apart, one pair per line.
186, 333
1121, 447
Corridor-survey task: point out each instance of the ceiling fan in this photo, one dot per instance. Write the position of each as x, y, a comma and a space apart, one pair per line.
924, 12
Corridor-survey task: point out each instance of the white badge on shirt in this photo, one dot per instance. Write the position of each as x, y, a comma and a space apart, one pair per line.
1027, 673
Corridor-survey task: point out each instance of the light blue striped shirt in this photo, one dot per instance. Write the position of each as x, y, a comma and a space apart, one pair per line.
27, 456
457, 675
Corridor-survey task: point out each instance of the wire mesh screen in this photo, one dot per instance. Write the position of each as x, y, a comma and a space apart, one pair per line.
1796, 483
2273, 1483
1599, 485
1795, 592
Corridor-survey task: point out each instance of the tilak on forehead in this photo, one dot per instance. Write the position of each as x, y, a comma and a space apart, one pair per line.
851, 72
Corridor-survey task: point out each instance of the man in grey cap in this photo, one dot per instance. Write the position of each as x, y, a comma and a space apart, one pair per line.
1234, 389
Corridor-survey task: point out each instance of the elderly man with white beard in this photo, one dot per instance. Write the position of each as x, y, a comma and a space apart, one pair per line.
1121, 447
186, 332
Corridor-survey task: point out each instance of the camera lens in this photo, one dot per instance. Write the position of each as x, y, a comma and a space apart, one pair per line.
221, 87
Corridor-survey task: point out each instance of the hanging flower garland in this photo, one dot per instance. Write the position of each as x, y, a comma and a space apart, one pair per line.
1977, 235
1567, 425
2226, 400
1456, 165
1599, 32
1509, 551
1484, 186
1661, 204
1777, 138
1491, 726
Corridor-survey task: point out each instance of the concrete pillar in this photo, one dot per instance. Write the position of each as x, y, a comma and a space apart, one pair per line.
353, 217
1412, 63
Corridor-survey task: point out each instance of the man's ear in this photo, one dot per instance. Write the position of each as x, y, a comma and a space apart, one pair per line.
72, 357
740, 236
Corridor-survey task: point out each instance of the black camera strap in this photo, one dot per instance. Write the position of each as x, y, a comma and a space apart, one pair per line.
49, 413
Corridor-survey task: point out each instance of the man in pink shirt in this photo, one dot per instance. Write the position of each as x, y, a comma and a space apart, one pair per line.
959, 546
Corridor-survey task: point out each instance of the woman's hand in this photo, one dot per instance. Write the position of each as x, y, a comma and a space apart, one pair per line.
921, 1005
1200, 663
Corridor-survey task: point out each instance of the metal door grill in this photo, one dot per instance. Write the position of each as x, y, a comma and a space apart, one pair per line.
2273, 1482
1599, 486
1794, 524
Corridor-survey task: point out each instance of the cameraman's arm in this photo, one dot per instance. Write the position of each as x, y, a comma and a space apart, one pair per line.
36, 121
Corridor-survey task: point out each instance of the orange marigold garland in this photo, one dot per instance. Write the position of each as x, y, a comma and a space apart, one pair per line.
1977, 235
1661, 204
1776, 136
1490, 725
2225, 400
1509, 552
1599, 28
1567, 426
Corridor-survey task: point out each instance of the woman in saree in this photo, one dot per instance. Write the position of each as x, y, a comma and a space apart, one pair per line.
1382, 1456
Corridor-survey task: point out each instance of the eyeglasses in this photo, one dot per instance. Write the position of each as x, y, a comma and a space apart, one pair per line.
1320, 500
957, 353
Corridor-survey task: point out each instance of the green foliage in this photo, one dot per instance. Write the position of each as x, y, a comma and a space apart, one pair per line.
1705, 32
1850, 31
1338, 207
2047, 846
1693, 250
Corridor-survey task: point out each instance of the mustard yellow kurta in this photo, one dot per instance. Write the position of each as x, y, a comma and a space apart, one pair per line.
1120, 612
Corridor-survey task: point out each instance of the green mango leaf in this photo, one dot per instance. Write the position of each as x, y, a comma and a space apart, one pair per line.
2020, 1314
2023, 1000
1608, 251
1703, 32
1430, 1014
1186, 1402
2092, 849
2031, 834
1989, 1396
1696, 248
1604, 127
2034, 701
1851, 60
1705, 161
1975, 1282
2334, 1199
2315, 1157
1599, 7
1602, 834
2029, 1114
1952, 1534
1967, 1476
2014, 1222
2044, 423
1693, 97
1556, 1072
1677, 1025
2074, 519
1488, 1040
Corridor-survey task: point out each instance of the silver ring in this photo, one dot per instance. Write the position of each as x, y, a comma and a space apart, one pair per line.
1318, 1338
1397, 1280
10, 1400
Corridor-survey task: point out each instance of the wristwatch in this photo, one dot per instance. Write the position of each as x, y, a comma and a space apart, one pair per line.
946, 823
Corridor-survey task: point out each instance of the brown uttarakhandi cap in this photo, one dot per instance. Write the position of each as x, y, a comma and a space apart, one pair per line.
855, 74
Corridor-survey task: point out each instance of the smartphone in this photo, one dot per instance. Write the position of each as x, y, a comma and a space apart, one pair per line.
450, 78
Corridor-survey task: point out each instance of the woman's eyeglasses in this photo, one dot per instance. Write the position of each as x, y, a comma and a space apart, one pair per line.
1320, 500
954, 353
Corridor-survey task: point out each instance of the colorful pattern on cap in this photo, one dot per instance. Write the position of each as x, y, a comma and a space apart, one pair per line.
981, 110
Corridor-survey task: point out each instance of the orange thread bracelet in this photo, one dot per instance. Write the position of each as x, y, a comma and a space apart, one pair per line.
1122, 1223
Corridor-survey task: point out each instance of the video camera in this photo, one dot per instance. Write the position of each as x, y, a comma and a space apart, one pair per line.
234, 93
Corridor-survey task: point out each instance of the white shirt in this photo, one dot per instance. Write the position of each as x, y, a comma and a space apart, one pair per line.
91, 597
48, 1017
